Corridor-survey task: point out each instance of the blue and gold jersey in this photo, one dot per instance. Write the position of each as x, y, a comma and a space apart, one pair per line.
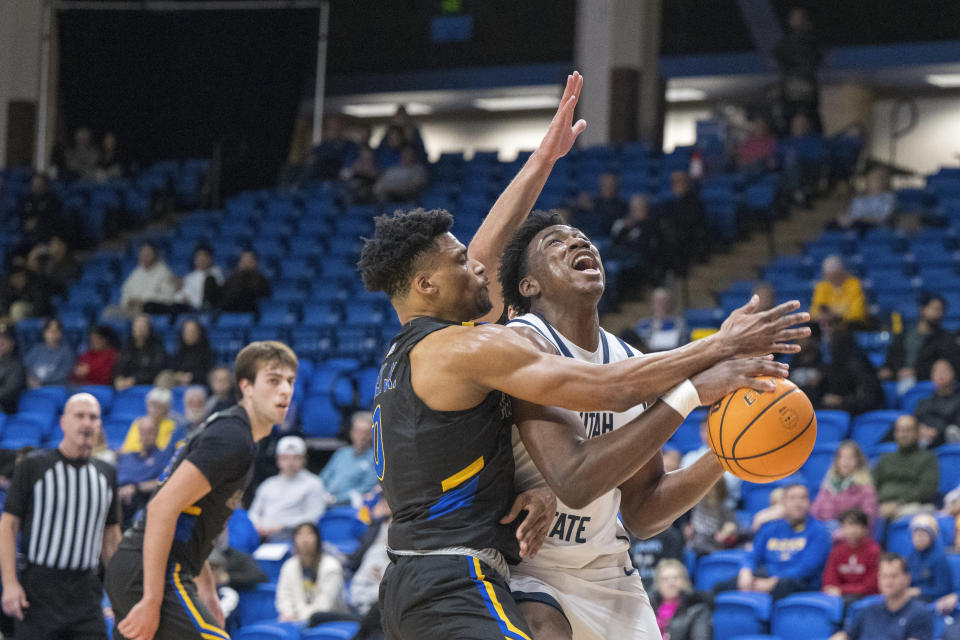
447, 475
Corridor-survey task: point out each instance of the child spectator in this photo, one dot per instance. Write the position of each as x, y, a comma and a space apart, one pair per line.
847, 485
95, 365
851, 570
930, 572
682, 613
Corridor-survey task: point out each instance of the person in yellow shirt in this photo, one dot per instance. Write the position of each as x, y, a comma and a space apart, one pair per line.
158, 408
839, 291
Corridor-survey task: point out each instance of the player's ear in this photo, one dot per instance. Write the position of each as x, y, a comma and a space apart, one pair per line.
529, 287
423, 284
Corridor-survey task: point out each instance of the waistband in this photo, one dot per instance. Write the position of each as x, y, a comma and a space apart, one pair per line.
491, 557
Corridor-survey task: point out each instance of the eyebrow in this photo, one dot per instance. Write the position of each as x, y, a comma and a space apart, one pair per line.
551, 233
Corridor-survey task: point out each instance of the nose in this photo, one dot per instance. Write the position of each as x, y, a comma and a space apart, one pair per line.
478, 267
577, 242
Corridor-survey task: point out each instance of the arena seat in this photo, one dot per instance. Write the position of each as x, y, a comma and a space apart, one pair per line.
717, 567
919, 391
801, 616
243, 536
331, 631
262, 632
832, 426
102, 392
739, 612
41, 397
319, 418
857, 607
870, 427
757, 496
257, 604
817, 465
22, 431
949, 457
131, 400
115, 430
341, 528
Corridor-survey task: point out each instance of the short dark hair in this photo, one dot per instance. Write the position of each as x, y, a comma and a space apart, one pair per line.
52, 320
256, 354
513, 264
388, 259
889, 557
926, 297
854, 516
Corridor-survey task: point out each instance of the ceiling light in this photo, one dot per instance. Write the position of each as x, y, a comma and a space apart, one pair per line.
685, 94
944, 80
384, 109
517, 103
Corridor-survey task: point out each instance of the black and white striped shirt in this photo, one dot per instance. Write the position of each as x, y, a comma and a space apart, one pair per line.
63, 506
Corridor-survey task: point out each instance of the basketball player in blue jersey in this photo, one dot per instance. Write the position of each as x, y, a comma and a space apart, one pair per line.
442, 415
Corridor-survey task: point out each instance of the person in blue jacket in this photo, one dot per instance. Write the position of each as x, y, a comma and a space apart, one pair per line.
788, 553
930, 573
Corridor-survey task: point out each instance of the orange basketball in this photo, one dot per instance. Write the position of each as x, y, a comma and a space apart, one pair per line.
762, 437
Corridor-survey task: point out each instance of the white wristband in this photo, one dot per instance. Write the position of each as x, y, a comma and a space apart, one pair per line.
683, 398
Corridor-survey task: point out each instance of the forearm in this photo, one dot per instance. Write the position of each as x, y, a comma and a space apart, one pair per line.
8, 550
206, 584
648, 513
111, 538
157, 539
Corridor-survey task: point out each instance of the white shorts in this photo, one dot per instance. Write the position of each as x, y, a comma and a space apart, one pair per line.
600, 604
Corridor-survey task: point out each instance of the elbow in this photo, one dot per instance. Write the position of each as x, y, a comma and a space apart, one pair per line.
572, 494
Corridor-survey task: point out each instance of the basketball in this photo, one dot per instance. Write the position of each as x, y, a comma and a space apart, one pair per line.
763, 436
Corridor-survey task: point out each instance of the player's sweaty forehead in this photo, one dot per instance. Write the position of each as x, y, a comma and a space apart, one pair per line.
557, 231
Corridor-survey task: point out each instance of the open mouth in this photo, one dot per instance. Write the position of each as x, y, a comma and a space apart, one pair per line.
586, 262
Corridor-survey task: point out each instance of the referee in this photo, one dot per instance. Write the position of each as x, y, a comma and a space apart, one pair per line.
66, 504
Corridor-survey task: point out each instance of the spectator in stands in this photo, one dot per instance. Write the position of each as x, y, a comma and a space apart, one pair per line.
788, 554
596, 214
773, 511
110, 164
194, 358
361, 175
733, 482
158, 410
292, 496
311, 581
798, 58
329, 155
141, 358
757, 153
847, 485
391, 144
13, 376
848, 381
913, 351
939, 415
194, 411
61, 268
96, 364
82, 158
930, 572
851, 570
682, 613
150, 286
221, 390
840, 292
899, 616
24, 294
907, 478
51, 361
646, 554
201, 287
683, 225
801, 156
351, 468
39, 213
951, 507
713, 524
411, 132
872, 209
663, 330
244, 288
137, 471
636, 240
402, 182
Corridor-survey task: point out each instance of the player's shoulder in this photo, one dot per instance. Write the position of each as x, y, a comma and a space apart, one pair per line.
620, 345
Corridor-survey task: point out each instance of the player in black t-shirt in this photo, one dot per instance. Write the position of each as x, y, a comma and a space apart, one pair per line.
159, 582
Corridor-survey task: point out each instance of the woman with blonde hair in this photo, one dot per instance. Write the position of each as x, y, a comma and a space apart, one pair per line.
682, 613
846, 485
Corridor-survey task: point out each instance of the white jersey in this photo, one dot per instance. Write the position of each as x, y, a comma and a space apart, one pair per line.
578, 537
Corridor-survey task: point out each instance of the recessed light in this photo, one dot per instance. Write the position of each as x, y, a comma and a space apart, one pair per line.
944, 80
517, 103
685, 94
384, 109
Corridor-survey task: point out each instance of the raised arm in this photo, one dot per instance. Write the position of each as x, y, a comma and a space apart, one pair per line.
516, 201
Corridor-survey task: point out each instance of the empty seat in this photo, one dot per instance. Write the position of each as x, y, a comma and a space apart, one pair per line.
870, 427
717, 567
949, 456
319, 417
817, 465
42, 397
23, 431
739, 613
341, 528
331, 631
919, 391
807, 615
832, 426
257, 604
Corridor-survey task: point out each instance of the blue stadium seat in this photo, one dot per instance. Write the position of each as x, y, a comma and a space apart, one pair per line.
949, 456
717, 567
131, 400
235, 320
260, 631
954, 560
919, 391
898, 537
364, 313
738, 613
696, 318
319, 418
102, 392
242, 534
331, 631
115, 430
23, 431
366, 382
817, 465
752, 636
832, 426
870, 427
948, 527
807, 615
257, 604
856, 608
757, 496
56, 395
341, 528
37, 403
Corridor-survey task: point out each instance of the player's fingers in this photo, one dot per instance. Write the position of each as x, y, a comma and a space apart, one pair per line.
579, 127
796, 333
782, 347
758, 384
518, 505
568, 88
792, 319
782, 309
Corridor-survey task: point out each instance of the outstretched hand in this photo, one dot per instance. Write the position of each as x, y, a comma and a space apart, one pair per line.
540, 505
748, 332
562, 132
730, 375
